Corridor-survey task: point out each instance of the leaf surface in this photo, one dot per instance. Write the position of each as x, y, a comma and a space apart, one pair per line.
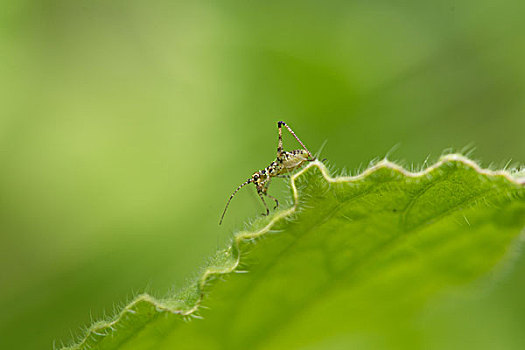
353, 262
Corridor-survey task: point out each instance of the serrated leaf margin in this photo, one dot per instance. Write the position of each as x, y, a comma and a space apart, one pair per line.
105, 328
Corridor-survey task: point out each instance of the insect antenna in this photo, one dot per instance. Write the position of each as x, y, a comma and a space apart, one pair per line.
233, 194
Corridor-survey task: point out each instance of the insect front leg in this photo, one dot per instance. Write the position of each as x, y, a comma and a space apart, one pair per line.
275, 199
260, 193
265, 191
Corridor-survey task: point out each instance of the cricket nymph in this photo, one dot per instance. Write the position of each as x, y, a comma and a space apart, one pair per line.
284, 163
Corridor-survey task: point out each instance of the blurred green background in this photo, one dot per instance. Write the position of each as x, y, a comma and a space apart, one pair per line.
125, 126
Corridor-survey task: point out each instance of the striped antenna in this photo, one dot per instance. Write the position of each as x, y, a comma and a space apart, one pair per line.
233, 194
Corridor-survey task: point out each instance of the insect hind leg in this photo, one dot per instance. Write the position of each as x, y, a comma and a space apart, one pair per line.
280, 145
280, 142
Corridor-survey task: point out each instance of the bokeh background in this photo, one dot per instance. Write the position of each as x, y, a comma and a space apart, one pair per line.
125, 125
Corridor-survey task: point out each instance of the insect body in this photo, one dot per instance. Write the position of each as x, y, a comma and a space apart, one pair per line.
283, 164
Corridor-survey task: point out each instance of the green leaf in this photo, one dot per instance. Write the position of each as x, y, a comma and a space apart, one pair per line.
354, 262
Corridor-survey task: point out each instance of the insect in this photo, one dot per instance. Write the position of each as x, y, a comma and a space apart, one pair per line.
283, 164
